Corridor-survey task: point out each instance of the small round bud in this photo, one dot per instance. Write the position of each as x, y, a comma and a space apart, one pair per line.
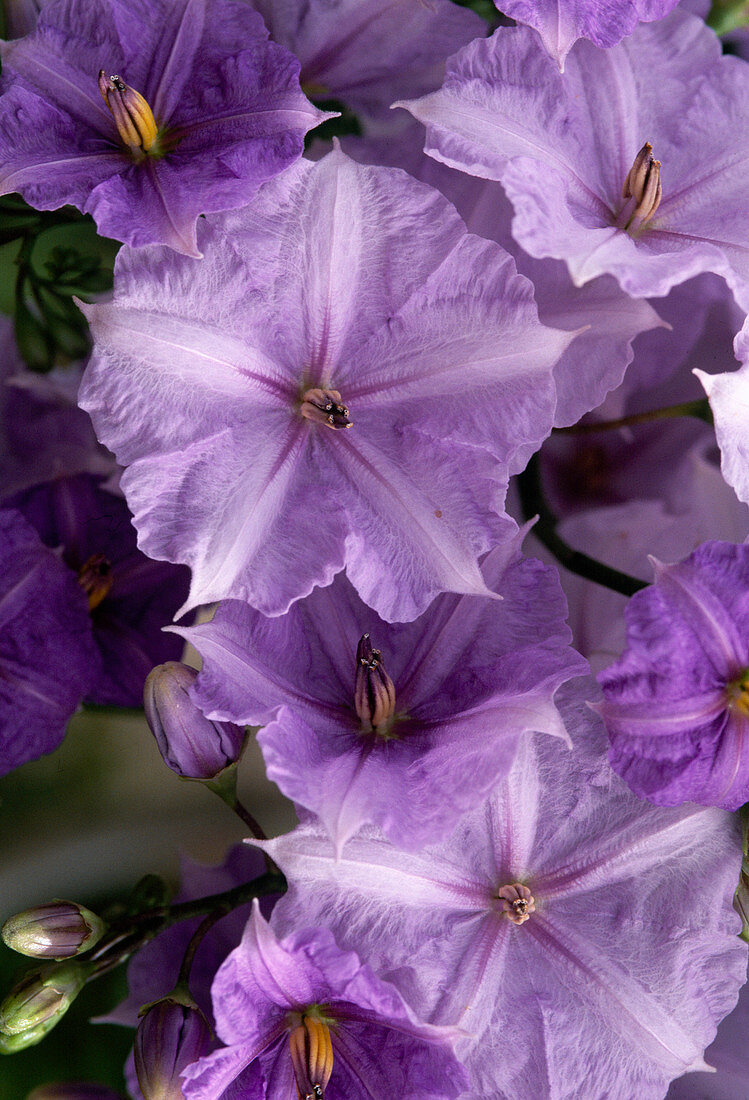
191, 745
170, 1036
58, 930
41, 996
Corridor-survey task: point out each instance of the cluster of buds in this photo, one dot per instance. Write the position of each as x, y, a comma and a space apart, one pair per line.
60, 930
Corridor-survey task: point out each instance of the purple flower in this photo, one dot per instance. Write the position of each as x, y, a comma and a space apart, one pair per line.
370, 52
729, 401
299, 1011
43, 433
148, 113
603, 319
561, 22
631, 163
346, 380
47, 654
406, 726
130, 598
676, 704
585, 940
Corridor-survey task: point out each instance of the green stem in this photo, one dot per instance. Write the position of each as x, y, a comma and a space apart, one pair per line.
533, 504
134, 932
699, 409
728, 15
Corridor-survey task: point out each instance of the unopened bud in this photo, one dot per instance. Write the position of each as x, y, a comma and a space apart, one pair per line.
12, 1044
131, 112
311, 1052
84, 1090
41, 996
59, 930
374, 691
170, 1036
191, 745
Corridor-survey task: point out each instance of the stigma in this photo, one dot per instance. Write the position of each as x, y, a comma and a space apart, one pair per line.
311, 1053
374, 691
517, 902
131, 112
643, 190
325, 407
95, 578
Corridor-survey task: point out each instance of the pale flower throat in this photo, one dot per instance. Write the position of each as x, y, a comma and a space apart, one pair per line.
642, 191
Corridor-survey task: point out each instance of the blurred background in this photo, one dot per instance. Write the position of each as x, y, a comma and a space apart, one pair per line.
85, 824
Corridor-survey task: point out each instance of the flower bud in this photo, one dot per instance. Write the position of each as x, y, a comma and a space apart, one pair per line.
59, 930
12, 1044
41, 996
170, 1036
191, 745
83, 1090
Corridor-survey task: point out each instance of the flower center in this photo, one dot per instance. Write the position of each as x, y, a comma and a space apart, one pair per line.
738, 693
517, 902
132, 115
374, 691
642, 190
325, 407
311, 1052
95, 578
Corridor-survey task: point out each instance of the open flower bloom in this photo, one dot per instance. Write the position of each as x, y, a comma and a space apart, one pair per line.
405, 726
584, 939
347, 379
603, 319
148, 113
47, 655
301, 1017
370, 52
676, 704
631, 163
561, 22
130, 598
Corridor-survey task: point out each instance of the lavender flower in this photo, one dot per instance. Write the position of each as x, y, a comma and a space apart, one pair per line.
47, 654
677, 702
346, 380
561, 22
301, 1011
646, 183
729, 401
563, 915
404, 726
148, 114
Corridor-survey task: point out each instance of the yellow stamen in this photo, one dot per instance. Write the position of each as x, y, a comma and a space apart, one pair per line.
95, 578
311, 1052
131, 112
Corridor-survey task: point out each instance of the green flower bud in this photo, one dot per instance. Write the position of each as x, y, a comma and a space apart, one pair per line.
12, 1044
59, 930
41, 996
